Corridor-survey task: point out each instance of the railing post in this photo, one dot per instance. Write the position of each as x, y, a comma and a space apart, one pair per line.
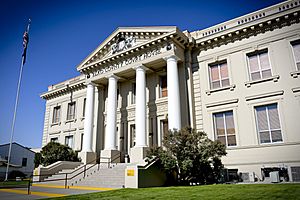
28, 189
66, 180
84, 171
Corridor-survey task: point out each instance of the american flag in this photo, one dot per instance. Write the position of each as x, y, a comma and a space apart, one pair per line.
25, 41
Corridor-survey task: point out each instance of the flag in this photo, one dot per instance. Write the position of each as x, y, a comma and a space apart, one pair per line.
25, 42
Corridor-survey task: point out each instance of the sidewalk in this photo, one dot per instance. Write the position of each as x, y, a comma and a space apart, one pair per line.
45, 191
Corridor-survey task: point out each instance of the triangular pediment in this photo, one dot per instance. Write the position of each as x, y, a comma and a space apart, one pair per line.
123, 39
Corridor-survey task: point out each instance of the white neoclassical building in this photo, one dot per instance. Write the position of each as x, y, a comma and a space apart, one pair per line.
239, 81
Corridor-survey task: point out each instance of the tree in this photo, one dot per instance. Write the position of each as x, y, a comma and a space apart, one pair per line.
38, 159
54, 152
191, 155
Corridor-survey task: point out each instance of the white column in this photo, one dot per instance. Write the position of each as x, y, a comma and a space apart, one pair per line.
110, 133
140, 107
89, 118
174, 113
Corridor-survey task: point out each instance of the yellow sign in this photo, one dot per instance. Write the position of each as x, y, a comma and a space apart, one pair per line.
130, 172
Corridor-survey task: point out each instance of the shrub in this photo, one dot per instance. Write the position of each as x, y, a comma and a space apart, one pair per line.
54, 152
191, 155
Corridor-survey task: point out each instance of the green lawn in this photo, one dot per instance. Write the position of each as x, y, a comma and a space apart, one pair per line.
214, 192
13, 183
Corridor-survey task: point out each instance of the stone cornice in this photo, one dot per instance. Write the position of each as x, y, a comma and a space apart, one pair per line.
264, 20
65, 87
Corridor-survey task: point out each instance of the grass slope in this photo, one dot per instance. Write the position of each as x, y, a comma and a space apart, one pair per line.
214, 192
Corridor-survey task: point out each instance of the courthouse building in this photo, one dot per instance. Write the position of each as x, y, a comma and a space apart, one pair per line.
238, 81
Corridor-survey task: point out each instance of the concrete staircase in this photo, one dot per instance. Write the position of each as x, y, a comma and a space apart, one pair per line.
113, 177
102, 175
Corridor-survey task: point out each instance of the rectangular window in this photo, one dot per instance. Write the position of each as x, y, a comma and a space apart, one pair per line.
268, 123
71, 111
219, 75
259, 65
24, 162
56, 114
69, 141
224, 128
132, 135
164, 127
81, 141
54, 139
163, 86
133, 93
296, 50
84, 104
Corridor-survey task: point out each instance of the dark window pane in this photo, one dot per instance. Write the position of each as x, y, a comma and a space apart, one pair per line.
231, 140
265, 137
276, 136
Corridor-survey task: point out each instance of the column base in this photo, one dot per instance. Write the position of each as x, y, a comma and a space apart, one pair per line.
113, 155
88, 157
137, 154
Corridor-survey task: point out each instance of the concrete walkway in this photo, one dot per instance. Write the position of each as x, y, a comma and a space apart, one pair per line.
40, 191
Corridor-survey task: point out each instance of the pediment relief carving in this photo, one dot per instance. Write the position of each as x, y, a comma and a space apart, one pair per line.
125, 39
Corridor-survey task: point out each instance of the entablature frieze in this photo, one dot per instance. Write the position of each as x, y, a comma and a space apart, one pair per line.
247, 30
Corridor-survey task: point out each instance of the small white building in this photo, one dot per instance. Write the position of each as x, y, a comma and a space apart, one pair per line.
22, 159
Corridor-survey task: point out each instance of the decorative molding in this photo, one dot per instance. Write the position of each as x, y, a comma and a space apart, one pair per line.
56, 124
295, 74
69, 130
272, 78
265, 95
55, 132
230, 87
221, 103
71, 120
296, 89
248, 19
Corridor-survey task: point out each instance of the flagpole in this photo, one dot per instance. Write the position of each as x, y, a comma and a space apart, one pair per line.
15, 109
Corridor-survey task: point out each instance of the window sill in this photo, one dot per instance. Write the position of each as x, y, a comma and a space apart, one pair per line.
272, 78
295, 74
56, 124
70, 120
270, 143
230, 87
161, 100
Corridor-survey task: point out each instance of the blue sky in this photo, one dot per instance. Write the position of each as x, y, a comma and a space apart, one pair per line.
64, 32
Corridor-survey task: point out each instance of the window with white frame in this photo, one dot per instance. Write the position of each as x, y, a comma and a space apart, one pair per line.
259, 65
218, 75
56, 114
55, 139
296, 51
224, 128
71, 111
268, 123
163, 86
69, 141
133, 93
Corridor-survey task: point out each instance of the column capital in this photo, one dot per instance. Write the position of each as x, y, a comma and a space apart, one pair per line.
89, 82
140, 67
171, 57
113, 76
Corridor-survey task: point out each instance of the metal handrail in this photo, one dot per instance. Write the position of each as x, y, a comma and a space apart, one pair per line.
84, 171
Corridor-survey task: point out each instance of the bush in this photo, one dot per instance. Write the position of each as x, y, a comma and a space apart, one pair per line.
15, 173
54, 152
191, 155
38, 159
